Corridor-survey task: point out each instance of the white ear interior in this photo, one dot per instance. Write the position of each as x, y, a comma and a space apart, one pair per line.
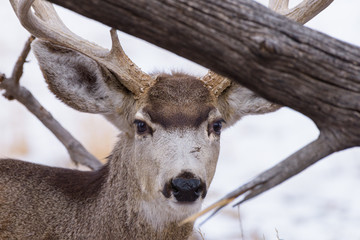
238, 101
76, 79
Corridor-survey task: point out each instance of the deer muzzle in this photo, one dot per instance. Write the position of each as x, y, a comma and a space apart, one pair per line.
185, 189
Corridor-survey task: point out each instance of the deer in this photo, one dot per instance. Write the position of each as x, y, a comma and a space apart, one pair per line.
163, 163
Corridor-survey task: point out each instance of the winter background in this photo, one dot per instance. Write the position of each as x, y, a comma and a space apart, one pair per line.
323, 202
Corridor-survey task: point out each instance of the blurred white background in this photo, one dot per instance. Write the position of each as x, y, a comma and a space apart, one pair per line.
323, 202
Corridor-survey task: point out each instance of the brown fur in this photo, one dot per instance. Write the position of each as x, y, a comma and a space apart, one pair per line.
179, 101
40, 202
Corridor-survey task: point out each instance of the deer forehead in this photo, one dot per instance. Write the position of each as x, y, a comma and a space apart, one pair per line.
178, 101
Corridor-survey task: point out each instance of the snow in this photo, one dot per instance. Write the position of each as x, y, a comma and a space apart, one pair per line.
323, 202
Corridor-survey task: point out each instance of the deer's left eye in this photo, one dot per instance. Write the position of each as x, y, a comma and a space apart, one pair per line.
142, 127
216, 127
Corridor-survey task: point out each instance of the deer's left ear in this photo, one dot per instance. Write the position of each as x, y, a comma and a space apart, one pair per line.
237, 101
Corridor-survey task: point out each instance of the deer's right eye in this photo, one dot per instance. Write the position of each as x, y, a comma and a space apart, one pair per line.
141, 127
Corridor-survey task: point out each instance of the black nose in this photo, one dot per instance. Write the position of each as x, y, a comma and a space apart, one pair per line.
186, 190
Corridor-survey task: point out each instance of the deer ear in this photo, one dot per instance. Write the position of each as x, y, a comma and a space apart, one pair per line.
237, 101
78, 80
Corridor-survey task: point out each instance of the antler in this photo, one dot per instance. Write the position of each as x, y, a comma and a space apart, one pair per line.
45, 24
301, 13
215, 83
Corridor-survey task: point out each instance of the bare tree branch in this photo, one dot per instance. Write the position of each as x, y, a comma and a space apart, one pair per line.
19, 66
77, 152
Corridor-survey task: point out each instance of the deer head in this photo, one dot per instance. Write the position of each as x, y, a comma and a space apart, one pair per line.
170, 123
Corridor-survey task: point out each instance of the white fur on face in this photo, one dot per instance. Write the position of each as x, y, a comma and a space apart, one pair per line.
165, 155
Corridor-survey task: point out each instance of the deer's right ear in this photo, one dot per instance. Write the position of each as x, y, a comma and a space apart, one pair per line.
78, 80
237, 101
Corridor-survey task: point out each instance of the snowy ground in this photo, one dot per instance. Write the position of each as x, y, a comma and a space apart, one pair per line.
323, 202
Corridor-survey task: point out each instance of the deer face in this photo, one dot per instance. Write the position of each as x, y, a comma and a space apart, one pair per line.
177, 138
173, 123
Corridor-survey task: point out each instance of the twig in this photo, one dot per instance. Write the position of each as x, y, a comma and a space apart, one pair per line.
219, 204
241, 225
77, 152
277, 234
19, 65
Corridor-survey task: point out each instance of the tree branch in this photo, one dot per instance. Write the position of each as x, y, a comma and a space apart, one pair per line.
77, 152
19, 66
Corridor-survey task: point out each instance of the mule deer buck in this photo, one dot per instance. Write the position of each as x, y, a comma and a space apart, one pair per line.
159, 171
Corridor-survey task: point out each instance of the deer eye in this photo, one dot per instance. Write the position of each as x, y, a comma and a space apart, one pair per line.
141, 126
216, 126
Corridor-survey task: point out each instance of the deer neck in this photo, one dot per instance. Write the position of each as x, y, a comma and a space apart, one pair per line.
122, 196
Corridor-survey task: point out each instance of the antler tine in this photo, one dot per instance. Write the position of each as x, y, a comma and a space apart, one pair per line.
131, 75
47, 25
279, 5
215, 82
303, 12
